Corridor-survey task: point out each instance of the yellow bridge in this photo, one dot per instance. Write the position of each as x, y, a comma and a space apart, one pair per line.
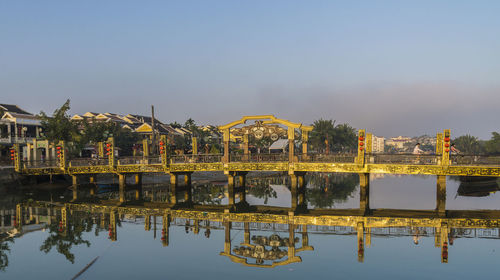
292, 162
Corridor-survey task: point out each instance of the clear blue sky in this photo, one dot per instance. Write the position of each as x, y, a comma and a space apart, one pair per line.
392, 67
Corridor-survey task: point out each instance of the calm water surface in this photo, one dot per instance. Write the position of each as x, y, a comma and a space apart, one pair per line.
199, 248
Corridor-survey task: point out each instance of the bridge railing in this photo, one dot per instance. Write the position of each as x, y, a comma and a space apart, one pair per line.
87, 162
333, 158
39, 163
199, 158
139, 160
402, 159
273, 157
474, 160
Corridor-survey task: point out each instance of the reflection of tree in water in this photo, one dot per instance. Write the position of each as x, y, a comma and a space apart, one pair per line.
326, 189
4, 249
64, 241
208, 194
260, 189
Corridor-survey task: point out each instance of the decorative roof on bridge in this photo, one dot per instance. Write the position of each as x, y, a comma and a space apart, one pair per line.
267, 119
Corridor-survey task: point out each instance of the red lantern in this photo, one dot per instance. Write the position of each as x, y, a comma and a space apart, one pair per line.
447, 150
361, 148
361, 138
361, 143
447, 145
447, 139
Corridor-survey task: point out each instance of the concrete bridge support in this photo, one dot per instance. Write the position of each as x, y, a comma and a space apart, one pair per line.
175, 189
236, 184
364, 193
122, 187
441, 195
361, 241
165, 230
297, 189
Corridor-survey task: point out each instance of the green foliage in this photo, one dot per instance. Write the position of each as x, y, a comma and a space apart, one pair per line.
175, 125
327, 189
72, 237
492, 146
467, 144
4, 249
214, 149
59, 126
341, 138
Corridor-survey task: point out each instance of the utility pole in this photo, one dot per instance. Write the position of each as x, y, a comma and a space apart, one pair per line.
153, 141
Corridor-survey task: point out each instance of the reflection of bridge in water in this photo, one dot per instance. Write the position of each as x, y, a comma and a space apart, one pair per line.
269, 240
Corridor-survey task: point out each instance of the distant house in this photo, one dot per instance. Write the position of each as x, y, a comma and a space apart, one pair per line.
18, 125
136, 123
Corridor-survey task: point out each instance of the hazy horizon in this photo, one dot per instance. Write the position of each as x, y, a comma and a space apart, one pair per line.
390, 67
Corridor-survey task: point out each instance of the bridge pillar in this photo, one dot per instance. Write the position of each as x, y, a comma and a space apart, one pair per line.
291, 144
138, 179
297, 190
246, 236
246, 152
122, 186
242, 186
364, 193
173, 187
305, 140
226, 139
444, 242
165, 230
188, 194
227, 238
113, 234
368, 237
441, 195
147, 222
187, 179
74, 179
230, 189
361, 241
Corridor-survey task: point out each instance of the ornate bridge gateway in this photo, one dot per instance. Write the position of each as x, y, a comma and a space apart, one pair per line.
277, 242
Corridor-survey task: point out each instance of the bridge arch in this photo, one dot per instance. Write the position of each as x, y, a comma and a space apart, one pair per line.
265, 124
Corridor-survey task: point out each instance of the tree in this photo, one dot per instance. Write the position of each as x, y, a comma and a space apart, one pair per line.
467, 144
4, 249
59, 126
492, 146
341, 138
327, 189
322, 130
345, 138
175, 125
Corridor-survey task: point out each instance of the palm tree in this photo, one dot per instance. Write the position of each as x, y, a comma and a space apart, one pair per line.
467, 144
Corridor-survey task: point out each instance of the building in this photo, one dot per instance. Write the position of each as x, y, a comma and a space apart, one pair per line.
398, 142
18, 126
136, 123
378, 144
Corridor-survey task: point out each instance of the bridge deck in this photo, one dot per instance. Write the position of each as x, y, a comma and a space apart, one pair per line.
284, 166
